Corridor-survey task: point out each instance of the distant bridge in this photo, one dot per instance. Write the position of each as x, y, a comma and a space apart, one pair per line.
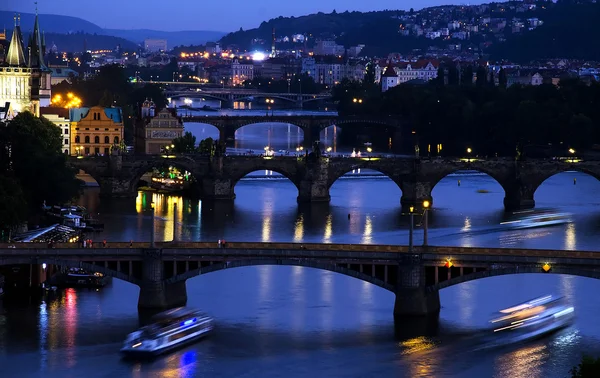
313, 177
229, 95
414, 276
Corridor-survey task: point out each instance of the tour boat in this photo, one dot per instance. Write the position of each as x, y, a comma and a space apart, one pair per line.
170, 330
530, 320
542, 219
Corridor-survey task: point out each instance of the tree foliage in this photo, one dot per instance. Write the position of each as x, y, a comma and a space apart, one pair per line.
589, 367
185, 144
489, 119
33, 166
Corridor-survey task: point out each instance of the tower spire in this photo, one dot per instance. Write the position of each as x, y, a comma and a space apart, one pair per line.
16, 56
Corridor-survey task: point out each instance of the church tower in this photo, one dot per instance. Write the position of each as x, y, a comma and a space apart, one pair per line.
40, 73
15, 76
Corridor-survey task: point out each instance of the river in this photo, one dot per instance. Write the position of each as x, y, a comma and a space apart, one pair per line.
293, 321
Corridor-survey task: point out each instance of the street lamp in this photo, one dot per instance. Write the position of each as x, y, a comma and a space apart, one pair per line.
369, 149
426, 205
571, 151
152, 225
469, 150
411, 213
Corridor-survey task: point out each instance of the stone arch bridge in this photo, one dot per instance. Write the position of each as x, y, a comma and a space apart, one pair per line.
230, 96
118, 175
311, 126
415, 277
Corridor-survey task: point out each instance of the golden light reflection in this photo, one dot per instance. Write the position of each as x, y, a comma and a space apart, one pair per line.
266, 229
368, 234
328, 229
525, 362
571, 237
138, 202
418, 344
467, 225
299, 229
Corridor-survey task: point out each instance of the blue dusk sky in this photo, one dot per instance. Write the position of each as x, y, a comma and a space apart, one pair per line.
217, 15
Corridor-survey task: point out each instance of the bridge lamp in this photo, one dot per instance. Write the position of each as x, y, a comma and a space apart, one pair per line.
426, 204
329, 149
411, 209
369, 149
360, 100
172, 146
469, 150
354, 100
546, 267
448, 264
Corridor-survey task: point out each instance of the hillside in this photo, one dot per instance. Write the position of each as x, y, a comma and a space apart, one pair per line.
569, 31
66, 25
173, 38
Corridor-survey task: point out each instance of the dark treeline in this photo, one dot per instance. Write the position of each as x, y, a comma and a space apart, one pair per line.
486, 117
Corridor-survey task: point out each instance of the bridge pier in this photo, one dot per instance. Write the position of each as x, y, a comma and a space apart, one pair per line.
217, 189
518, 198
155, 293
414, 194
116, 187
412, 296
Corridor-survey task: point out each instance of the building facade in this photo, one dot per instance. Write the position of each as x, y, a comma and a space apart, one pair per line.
155, 131
241, 72
95, 130
25, 82
60, 118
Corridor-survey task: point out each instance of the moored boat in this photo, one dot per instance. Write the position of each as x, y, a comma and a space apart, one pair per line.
169, 330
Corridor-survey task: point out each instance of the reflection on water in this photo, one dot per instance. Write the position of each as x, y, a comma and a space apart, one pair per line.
523, 362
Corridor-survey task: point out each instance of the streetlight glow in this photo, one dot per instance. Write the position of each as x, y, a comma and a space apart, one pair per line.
426, 204
571, 150
469, 150
369, 149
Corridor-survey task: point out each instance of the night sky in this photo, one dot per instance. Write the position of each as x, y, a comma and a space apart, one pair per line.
217, 15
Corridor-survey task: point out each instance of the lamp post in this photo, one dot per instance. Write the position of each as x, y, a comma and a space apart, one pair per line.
469, 150
426, 205
175, 222
411, 213
152, 225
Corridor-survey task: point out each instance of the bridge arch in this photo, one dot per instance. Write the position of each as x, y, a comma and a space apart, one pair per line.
358, 163
72, 264
287, 262
267, 165
540, 180
184, 164
525, 269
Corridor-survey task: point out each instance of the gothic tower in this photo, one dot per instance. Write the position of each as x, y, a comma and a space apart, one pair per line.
40, 73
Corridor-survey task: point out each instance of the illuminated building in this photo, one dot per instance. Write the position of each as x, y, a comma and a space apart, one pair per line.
60, 118
95, 130
24, 78
241, 72
155, 131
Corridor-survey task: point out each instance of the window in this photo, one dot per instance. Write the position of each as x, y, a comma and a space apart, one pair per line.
96, 139
66, 141
87, 140
87, 150
77, 139
116, 140
97, 129
66, 152
66, 131
97, 150
106, 150
107, 139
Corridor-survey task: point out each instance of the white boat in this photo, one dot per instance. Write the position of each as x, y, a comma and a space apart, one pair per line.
170, 330
539, 220
530, 320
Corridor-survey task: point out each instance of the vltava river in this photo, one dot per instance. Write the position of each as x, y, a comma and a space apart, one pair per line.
278, 321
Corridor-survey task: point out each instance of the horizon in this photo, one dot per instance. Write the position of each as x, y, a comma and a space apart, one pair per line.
99, 12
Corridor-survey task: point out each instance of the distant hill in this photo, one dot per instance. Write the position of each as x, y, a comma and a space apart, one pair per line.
173, 38
71, 26
75, 42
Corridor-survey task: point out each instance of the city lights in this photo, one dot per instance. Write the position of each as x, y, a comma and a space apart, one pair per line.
68, 101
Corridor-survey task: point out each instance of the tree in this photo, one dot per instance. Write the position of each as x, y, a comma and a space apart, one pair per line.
502, 80
185, 144
589, 367
151, 91
370, 73
13, 206
467, 76
481, 79
31, 156
440, 80
207, 147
